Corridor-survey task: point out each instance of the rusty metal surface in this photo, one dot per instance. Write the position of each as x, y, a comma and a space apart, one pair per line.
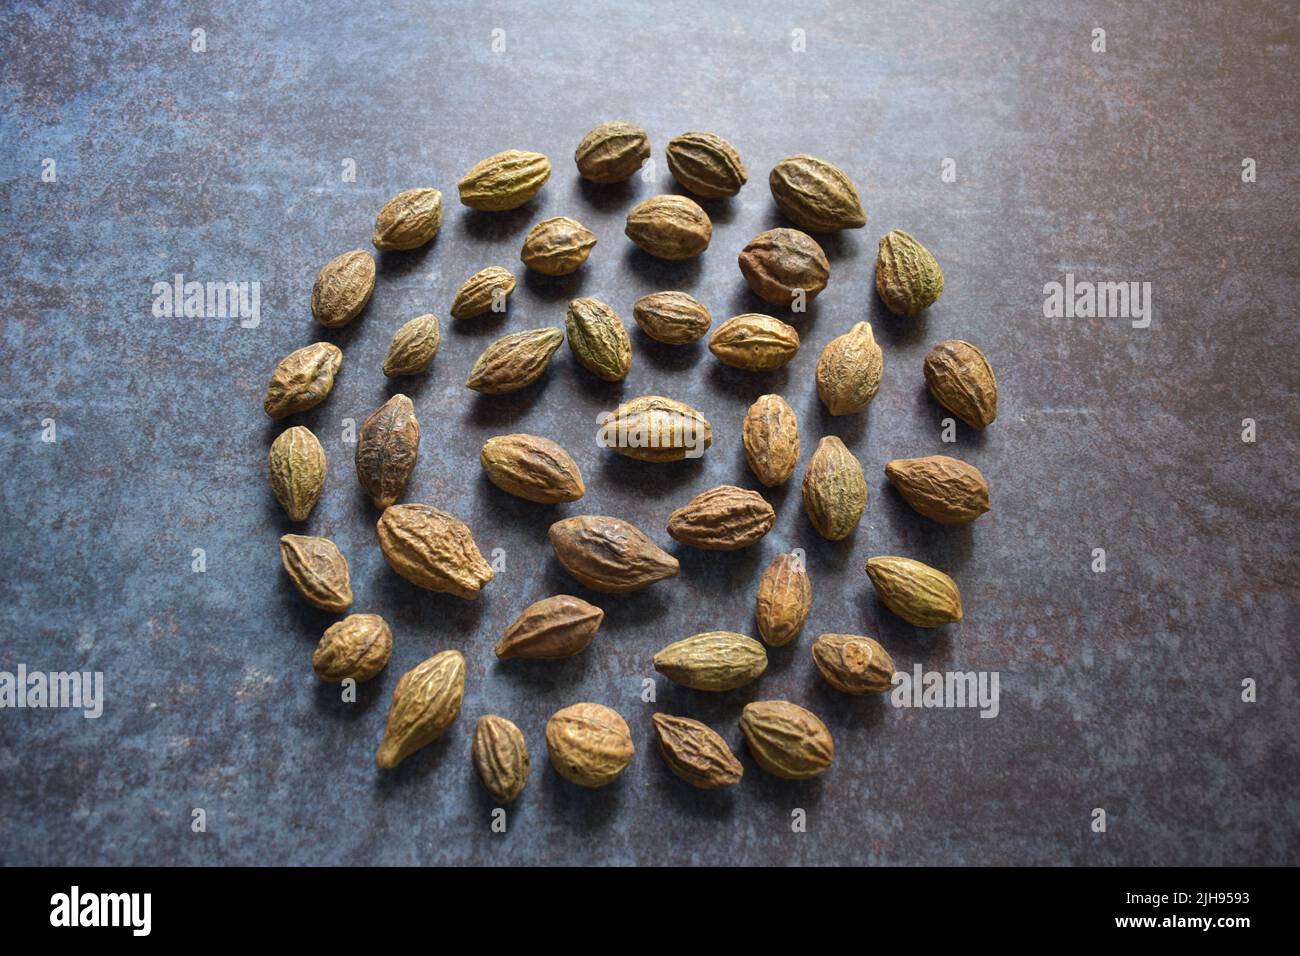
1118, 690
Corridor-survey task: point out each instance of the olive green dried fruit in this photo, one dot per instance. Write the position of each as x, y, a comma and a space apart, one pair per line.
500, 758
816, 195
609, 554
486, 290
696, 753
589, 744
669, 227
302, 380
598, 339
612, 152
849, 371
558, 246
408, 220
387, 447
754, 343
725, 518
921, 595
533, 468
551, 629
413, 347
297, 468
780, 264
713, 661
908, 277
343, 288
318, 570
834, 490
504, 181
706, 164
770, 435
425, 703
784, 600
943, 489
433, 550
657, 429
514, 361
853, 664
356, 648
962, 381
787, 740
673, 318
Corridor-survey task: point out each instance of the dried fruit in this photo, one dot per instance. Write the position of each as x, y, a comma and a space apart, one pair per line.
713, 661
816, 195
755, 343
834, 490
487, 289
612, 152
598, 339
725, 518
504, 181
356, 648
853, 664
500, 758
425, 703
908, 277
787, 740
297, 468
784, 600
514, 361
318, 570
532, 468
608, 554
654, 428
413, 347
433, 550
387, 446
589, 745
849, 370
771, 438
962, 381
302, 380
780, 264
696, 753
919, 594
706, 164
669, 227
343, 288
941, 488
408, 220
556, 247
673, 318
551, 629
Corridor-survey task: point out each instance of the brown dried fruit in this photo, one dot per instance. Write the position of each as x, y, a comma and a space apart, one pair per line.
551, 629
612, 152
816, 195
696, 753
673, 318
853, 664
589, 745
834, 490
921, 595
908, 277
755, 343
713, 661
500, 758
343, 288
669, 227
707, 165
786, 740
781, 263
318, 570
504, 181
771, 438
610, 555
413, 346
962, 381
433, 550
532, 468
784, 600
387, 447
408, 220
849, 371
658, 429
356, 648
725, 518
297, 468
425, 703
482, 291
514, 361
302, 380
941, 488
598, 339
556, 247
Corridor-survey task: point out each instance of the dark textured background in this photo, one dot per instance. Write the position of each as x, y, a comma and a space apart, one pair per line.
1119, 690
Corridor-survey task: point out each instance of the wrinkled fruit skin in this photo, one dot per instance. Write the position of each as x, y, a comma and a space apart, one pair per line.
408, 220
589, 744
714, 661
556, 247
551, 629
725, 518
514, 361
612, 152
413, 347
784, 600
849, 371
853, 664
943, 489
780, 263
425, 703
754, 343
707, 165
500, 757
834, 490
696, 753
504, 181
533, 468
908, 278
921, 595
815, 195
669, 227
786, 740
770, 435
476, 295
318, 570
296, 465
598, 339
673, 318
343, 288
609, 554
962, 381
433, 550
356, 648
657, 429
388, 445
302, 380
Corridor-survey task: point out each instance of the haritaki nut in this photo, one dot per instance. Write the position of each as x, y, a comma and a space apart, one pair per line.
609, 554
754, 343
612, 152
658, 429
318, 570
297, 467
343, 288
941, 488
504, 181
673, 318
908, 277
849, 371
771, 438
706, 164
853, 664
598, 339
784, 600
786, 740
413, 347
433, 550
558, 246
725, 518
919, 594
962, 381
302, 380
514, 361
782, 264
816, 195
713, 661
533, 468
500, 758
408, 220
425, 703
387, 447
551, 629
834, 490
485, 291
696, 753
356, 648
589, 744
669, 227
